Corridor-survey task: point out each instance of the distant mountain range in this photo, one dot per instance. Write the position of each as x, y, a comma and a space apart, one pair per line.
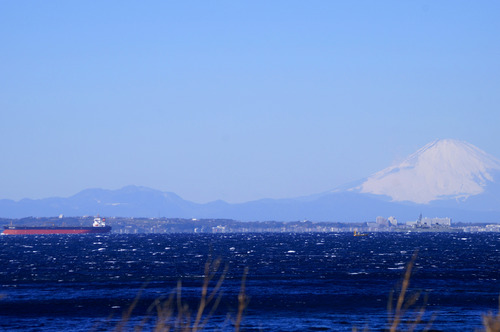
446, 178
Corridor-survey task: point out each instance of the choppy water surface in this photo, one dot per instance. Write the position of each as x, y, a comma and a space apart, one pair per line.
296, 282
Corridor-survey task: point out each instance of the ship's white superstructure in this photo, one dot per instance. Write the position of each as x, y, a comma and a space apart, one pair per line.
99, 222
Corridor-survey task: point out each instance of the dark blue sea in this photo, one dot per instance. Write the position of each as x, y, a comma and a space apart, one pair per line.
295, 282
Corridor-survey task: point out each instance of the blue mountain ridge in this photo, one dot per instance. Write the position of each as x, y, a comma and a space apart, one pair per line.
341, 206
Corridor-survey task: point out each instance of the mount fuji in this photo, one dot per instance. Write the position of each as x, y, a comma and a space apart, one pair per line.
442, 170
445, 178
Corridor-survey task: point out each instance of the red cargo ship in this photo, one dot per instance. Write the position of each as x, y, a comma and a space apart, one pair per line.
99, 227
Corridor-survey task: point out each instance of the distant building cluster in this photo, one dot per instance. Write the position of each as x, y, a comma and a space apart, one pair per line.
481, 229
382, 223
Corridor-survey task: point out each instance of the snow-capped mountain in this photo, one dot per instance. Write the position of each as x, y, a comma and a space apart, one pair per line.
443, 169
446, 178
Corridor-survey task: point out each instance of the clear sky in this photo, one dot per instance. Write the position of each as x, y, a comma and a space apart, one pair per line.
237, 100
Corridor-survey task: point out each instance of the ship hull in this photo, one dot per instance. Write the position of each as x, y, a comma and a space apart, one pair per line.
14, 230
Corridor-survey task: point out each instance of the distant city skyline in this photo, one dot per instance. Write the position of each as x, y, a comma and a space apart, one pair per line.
237, 100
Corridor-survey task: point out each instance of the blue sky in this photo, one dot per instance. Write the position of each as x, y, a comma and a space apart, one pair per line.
237, 100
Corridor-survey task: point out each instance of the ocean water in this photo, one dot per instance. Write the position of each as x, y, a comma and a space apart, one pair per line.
295, 282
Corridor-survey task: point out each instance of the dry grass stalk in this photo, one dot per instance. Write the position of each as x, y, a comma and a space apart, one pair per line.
404, 304
128, 313
242, 302
491, 322
211, 269
172, 314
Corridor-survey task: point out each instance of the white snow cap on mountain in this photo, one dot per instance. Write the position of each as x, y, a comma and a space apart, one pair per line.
442, 169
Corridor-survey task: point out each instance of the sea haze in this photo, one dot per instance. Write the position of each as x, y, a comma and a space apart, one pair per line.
295, 282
